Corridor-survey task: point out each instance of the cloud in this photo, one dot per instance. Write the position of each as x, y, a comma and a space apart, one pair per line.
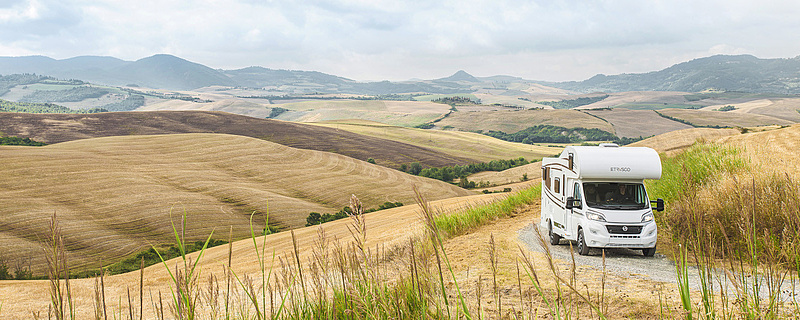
362, 39
29, 19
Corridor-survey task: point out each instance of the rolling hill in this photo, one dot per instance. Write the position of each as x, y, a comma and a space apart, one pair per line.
513, 121
722, 72
458, 143
723, 119
55, 128
637, 123
116, 195
157, 71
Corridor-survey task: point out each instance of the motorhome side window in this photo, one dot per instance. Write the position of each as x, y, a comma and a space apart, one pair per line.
557, 185
612, 195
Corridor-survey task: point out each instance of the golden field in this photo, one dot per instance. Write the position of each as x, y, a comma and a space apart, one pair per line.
116, 195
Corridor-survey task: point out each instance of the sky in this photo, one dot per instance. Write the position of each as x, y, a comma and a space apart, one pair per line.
369, 40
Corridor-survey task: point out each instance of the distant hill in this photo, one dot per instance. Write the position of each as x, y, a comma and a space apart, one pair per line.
163, 71
158, 71
461, 75
721, 72
167, 71
258, 77
743, 73
55, 128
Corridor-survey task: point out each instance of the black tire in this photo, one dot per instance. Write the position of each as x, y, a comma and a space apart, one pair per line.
649, 252
583, 249
554, 238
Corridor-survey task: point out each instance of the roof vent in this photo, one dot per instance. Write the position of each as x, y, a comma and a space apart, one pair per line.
609, 145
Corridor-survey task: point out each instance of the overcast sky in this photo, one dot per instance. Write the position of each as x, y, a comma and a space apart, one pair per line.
399, 40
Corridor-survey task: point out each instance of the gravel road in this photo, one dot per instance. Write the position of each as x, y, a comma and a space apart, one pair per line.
620, 261
629, 263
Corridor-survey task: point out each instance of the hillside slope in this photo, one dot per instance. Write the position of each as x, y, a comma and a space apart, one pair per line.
513, 121
458, 143
116, 195
54, 128
723, 72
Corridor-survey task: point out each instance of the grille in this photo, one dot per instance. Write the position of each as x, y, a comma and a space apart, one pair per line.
619, 229
625, 237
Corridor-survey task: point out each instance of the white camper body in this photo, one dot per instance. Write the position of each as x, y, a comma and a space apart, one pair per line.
595, 196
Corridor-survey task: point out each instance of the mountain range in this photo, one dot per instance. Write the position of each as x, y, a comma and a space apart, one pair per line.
722, 72
744, 73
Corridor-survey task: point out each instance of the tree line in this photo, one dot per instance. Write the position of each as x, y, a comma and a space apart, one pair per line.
17, 141
27, 107
316, 218
450, 173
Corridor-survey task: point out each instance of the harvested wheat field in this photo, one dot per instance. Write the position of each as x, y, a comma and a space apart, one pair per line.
54, 128
387, 228
402, 113
513, 121
773, 150
637, 123
621, 98
676, 141
470, 145
235, 106
509, 176
114, 195
723, 119
626, 295
788, 109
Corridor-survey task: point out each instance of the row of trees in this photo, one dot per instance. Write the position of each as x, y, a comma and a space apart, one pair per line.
10, 106
450, 173
455, 100
316, 218
17, 141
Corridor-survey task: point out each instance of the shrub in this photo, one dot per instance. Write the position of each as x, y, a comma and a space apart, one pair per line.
4, 274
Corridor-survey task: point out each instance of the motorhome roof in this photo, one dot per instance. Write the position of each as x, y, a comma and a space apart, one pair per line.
613, 162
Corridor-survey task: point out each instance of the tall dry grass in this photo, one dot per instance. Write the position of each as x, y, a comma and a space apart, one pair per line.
744, 263
344, 279
739, 226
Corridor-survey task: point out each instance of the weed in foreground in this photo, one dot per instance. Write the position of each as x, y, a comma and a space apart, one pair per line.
741, 230
185, 292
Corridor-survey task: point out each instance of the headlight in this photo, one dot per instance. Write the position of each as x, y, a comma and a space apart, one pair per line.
647, 217
595, 216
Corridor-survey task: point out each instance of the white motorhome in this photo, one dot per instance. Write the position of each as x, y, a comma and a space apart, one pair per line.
595, 196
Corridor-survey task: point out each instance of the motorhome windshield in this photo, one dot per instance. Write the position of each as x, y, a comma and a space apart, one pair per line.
620, 196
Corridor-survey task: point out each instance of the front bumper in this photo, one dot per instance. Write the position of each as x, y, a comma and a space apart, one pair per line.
597, 236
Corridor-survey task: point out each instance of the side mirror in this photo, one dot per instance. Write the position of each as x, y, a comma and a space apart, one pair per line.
573, 203
659, 204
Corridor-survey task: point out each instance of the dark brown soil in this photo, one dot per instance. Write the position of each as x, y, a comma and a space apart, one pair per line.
55, 128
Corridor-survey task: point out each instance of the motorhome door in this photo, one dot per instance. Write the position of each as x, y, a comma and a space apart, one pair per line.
574, 215
559, 213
